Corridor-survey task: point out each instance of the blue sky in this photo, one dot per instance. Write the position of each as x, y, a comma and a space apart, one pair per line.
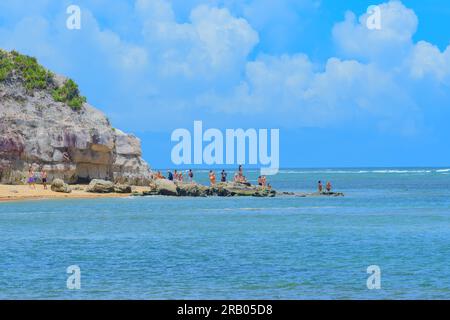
341, 94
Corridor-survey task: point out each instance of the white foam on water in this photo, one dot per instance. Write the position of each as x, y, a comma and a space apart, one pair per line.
353, 171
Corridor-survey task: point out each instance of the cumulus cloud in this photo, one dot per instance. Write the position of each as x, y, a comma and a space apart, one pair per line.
427, 60
388, 45
376, 82
290, 91
212, 42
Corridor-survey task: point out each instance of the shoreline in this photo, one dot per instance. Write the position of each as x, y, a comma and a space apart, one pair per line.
16, 193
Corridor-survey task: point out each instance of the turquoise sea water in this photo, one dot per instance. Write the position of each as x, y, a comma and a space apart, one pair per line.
239, 248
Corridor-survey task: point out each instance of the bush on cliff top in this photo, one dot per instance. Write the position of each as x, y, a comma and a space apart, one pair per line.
36, 77
70, 94
33, 75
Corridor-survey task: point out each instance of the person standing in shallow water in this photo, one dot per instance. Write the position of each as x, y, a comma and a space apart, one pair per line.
328, 186
191, 175
320, 186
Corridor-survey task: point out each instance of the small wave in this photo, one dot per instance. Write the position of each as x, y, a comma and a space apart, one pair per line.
268, 208
443, 170
323, 171
250, 209
356, 172
401, 171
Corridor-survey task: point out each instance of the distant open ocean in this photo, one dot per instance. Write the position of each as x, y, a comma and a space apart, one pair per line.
239, 248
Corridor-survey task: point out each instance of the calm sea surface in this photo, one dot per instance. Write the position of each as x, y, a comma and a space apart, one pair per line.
239, 248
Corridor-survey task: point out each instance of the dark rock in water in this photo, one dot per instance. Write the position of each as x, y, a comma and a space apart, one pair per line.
191, 190
318, 194
100, 186
232, 189
223, 189
150, 192
58, 185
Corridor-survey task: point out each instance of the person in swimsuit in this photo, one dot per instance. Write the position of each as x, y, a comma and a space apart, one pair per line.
260, 181
223, 177
44, 178
328, 186
319, 186
212, 177
169, 175
191, 175
31, 181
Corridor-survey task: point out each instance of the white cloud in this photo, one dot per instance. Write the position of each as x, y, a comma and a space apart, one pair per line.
387, 46
213, 42
427, 60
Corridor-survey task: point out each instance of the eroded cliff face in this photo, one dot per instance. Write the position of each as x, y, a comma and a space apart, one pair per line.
73, 145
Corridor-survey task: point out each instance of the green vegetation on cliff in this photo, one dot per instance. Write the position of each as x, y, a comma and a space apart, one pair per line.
70, 94
14, 65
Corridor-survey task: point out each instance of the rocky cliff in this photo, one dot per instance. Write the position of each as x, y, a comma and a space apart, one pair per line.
46, 123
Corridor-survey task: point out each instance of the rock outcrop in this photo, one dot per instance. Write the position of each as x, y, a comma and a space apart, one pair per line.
163, 187
122, 188
72, 144
100, 186
232, 189
59, 185
223, 189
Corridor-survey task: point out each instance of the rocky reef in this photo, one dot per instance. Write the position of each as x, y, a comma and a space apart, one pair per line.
45, 123
223, 189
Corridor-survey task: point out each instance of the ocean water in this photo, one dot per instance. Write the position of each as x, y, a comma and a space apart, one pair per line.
239, 248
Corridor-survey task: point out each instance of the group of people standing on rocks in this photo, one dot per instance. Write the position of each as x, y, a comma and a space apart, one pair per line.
320, 186
175, 176
238, 177
33, 177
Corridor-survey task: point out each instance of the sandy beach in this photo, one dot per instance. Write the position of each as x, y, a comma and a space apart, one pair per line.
24, 192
